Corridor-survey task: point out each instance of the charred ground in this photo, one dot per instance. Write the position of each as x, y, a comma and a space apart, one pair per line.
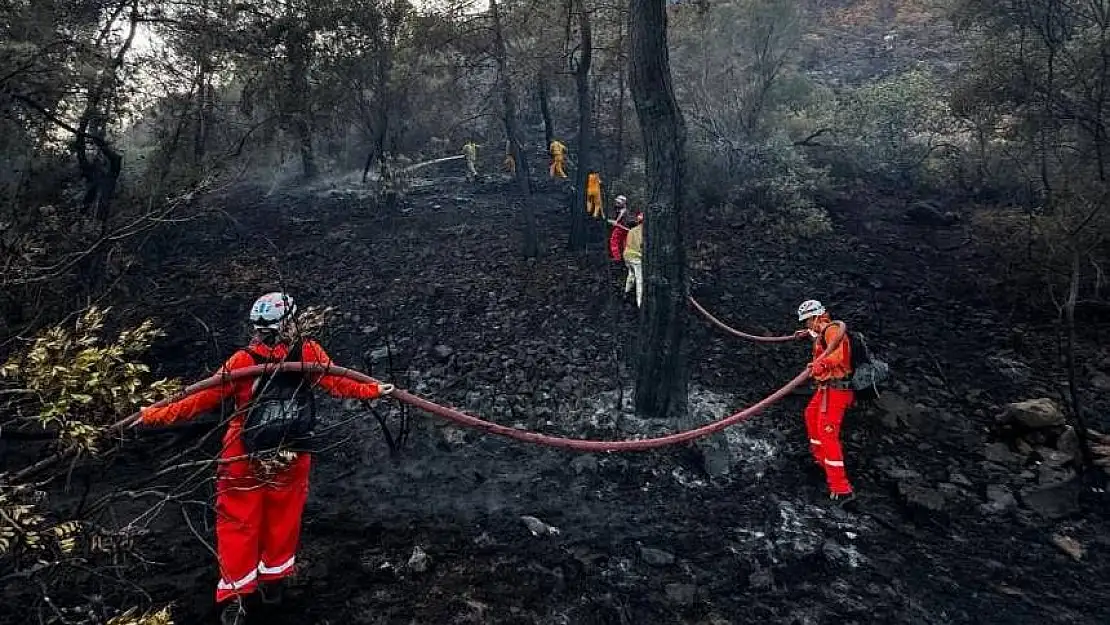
646, 538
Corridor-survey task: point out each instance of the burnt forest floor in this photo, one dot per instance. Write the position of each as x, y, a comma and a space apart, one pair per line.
546, 344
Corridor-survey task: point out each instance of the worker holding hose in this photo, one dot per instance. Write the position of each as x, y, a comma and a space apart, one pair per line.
262, 480
634, 258
593, 195
825, 412
470, 151
620, 229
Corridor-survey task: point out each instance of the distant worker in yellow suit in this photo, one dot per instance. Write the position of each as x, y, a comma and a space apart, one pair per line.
593, 195
558, 159
634, 259
510, 162
470, 151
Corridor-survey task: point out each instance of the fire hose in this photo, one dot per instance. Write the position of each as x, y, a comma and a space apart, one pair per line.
461, 418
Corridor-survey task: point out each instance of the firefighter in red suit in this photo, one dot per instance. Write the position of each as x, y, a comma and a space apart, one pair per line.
259, 500
825, 411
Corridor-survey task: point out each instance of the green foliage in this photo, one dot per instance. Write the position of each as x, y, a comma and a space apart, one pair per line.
76, 382
890, 129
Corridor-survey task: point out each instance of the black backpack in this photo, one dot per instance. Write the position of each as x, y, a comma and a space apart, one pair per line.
868, 372
282, 411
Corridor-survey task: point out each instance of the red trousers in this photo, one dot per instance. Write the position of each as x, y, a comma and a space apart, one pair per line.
258, 524
824, 414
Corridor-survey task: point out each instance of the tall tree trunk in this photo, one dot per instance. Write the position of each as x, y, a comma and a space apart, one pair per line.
297, 100
530, 246
618, 148
661, 376
579, 233
545, 107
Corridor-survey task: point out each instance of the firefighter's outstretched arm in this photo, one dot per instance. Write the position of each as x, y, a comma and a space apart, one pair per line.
188, 407
339, 386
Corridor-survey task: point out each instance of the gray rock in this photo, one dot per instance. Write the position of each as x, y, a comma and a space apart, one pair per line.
1052, 501
1048, 474
656, 557
959, 479
1068, 442
1000, 453
443, 352
681, 594
418, 561
1101, 381
1035, 413
999, 499
895, 411
538, 527
1052, 457
761, 579
921, 496
586, 463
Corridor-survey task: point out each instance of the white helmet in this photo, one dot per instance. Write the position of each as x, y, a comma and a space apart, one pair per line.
621, 200
270, 310
810, 308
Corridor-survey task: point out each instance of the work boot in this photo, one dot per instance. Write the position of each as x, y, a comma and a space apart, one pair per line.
234, 613
271, 592
846, 501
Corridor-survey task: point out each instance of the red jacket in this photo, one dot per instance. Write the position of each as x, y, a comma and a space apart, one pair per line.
210, 399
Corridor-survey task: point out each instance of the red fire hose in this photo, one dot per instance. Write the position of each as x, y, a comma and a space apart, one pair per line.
463, 419
733, 331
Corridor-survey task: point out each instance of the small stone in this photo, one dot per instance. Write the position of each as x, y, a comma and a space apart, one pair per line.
1052, 501
418, 561
1068, 442
1000, 453
921, 496
1070, 546
1101, 381
761, 579
443, 352
681, 594
1035, 413
999, 498
538, 527
656, 557
959, 479
584, 464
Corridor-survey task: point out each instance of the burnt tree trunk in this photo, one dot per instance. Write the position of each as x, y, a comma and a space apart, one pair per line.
530, 245
579, 226
544, 90
618, 148
661, 377
1079, 422
297, 100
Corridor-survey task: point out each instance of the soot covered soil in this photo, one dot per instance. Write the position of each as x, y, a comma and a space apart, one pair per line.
646, 538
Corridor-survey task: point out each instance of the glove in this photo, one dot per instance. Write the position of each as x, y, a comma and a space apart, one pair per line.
385, 389
819, 367
803, 334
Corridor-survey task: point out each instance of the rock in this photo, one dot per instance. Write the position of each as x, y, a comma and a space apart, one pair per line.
681, 594
656, 557
1001, 454
538, 527
1101, 381
1052, 457
1035, 413
921, 496
999, 499
761, 579
443, 352
1070, 546
584, 464
959, 479
1068, 442
1052, 501
1048, 474
418, 561
895, 411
